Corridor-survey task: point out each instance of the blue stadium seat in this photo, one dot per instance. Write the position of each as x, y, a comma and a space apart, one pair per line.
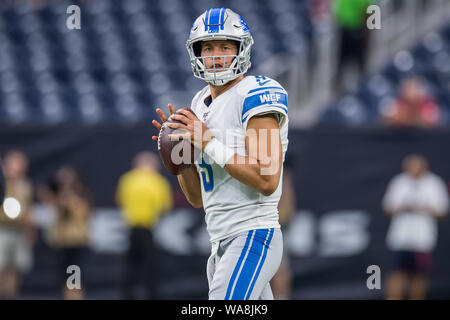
136, 47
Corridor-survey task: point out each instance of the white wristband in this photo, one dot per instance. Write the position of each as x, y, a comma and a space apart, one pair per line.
218, 152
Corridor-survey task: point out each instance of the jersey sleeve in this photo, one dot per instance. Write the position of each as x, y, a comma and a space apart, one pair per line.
270, 98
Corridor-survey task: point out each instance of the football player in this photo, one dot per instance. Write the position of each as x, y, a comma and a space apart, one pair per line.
243, 121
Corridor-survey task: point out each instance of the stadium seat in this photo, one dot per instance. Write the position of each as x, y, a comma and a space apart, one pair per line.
124, 48
429, 60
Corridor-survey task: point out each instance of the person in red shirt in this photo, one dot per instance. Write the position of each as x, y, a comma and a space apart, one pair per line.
413, 108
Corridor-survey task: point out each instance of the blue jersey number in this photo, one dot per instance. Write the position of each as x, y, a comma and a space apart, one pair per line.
261, 80
207, 176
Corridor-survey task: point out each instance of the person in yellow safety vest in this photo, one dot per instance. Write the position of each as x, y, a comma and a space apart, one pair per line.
143, 195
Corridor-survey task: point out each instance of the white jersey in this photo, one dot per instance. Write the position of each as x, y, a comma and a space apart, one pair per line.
232, 207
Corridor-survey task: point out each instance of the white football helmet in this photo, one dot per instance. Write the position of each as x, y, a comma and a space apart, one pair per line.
219, 24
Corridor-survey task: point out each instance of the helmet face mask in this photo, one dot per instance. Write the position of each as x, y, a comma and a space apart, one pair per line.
219, 24
214, 74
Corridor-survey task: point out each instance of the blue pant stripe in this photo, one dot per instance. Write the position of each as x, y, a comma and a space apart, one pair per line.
265, 249
238, 265
250, 265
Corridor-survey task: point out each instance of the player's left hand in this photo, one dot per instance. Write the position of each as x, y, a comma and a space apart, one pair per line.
196, 131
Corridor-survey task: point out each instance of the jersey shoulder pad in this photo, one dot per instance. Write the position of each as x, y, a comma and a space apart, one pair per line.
264, 95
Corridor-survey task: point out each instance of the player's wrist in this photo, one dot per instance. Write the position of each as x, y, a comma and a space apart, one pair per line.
218, 152
206, 141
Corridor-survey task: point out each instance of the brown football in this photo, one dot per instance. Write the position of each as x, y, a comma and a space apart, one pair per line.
176, 155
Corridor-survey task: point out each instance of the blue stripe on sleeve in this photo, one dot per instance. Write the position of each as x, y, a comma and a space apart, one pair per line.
264, 98
275, 99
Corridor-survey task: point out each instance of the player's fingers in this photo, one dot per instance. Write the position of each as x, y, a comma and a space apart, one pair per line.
155, 138
161, 115
157, 124
180, 117
188, 114
171, 108
176, 125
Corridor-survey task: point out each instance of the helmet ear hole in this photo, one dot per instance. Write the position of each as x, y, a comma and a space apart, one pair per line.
237, 44
197, 47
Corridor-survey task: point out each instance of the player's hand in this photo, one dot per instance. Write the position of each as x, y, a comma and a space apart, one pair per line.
196, 131
163, 118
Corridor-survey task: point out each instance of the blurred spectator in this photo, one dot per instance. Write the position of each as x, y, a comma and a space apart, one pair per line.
143, 194
16, 229
350, 17
281, 282
38, 4
414, 199
413, 107
69, 234
319, 10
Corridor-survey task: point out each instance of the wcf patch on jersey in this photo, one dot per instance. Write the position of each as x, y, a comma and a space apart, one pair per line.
270, 97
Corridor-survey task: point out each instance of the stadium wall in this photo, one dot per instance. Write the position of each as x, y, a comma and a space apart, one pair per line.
339, 230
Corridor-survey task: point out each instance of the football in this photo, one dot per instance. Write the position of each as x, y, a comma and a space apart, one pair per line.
176, 155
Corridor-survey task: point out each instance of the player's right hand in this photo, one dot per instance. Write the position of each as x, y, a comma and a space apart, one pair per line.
163, 118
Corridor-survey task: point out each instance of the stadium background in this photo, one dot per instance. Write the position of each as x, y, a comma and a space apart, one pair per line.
86, 97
